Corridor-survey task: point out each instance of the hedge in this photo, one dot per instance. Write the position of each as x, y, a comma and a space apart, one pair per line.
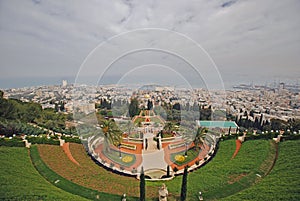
12, 142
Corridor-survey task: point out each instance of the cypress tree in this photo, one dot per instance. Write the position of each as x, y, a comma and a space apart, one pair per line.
184, 184
142, 186
168, 171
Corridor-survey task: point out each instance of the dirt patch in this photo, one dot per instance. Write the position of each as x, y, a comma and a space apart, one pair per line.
236, 178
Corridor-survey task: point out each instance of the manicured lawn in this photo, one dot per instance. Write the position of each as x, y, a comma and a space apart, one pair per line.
19, 180
179, 158
115, 156
283, 183
222, 178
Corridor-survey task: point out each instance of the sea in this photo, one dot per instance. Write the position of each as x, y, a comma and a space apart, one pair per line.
228, 82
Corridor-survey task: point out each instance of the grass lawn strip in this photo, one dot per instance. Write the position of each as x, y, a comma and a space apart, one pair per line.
19, 180
283, 182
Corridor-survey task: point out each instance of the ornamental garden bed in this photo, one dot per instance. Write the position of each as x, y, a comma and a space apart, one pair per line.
180, 159
126, 159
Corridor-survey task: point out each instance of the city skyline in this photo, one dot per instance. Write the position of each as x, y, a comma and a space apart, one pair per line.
247, 40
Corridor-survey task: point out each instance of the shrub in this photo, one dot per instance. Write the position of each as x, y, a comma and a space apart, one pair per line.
14, 142
42, 140
175, 169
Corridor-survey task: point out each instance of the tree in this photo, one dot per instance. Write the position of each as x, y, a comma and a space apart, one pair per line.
169, 127
229, 130
62, 106
176, 106
261, 120
184, 184
168, 171
205, 114
142, 186
112, 135
256, 123
133, 107
294, 124
198, 141
277, 124
149, 105
251, 113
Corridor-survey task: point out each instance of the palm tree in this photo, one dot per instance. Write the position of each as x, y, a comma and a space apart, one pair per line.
169, 127
199, 138
111, 134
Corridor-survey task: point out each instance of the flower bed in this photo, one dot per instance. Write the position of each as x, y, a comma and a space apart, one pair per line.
127, 159
179, 158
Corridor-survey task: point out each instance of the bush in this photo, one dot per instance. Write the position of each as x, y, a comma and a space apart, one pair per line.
71, 139
14, 142
175, 169
229, 137
290, 137
42, 140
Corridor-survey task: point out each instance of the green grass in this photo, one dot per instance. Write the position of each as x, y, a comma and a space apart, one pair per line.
65, 184
191, 155
20, 181
283, 183
220, 179
114, 156
222, 176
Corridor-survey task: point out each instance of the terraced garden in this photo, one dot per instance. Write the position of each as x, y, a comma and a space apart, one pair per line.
222, 176
241, 178
88, 173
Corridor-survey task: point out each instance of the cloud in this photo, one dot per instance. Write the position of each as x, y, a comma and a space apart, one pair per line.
227, 4
53, 37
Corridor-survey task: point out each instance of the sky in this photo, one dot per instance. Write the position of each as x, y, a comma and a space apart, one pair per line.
247, 40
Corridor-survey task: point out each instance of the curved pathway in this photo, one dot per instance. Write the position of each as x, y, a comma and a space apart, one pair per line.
66, 149
238, 145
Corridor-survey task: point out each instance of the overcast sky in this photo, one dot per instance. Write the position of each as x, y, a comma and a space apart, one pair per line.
247, 39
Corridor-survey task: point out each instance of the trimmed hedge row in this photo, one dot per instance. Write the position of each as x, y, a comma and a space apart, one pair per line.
71, 139
12, 142
42, 140
266, 136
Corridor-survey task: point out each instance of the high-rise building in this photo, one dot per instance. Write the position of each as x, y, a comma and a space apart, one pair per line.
64, 83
